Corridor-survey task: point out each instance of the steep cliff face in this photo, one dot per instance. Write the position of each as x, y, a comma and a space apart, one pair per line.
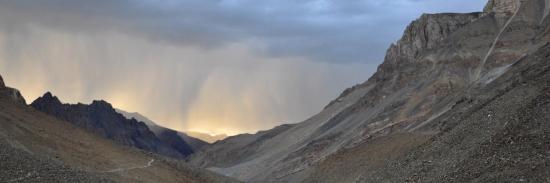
101, 118
507, 7
12, 94
2, 85
426, 33
421, 80
407, 57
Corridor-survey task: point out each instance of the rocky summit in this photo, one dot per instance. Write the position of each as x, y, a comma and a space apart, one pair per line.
461, 97
101, 118
10, 93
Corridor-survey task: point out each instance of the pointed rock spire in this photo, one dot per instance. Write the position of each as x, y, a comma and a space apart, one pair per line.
2, 85
48, 99
11, 93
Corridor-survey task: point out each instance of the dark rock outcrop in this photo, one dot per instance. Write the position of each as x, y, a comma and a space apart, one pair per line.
427, 32
2, 85
172, 138
101, 118
13, 94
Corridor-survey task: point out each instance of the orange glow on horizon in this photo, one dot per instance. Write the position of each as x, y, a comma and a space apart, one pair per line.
227, 90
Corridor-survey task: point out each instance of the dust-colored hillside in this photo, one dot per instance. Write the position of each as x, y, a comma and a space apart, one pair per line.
441, 107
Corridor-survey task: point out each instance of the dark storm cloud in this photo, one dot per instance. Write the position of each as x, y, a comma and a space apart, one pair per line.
321, 30
217, 66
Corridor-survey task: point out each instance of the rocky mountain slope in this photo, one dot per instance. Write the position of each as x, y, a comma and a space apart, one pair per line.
35, 147
166, 134
101, 118
460, 97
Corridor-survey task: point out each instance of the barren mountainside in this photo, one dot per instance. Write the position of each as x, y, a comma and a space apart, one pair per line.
101, 118
36, 147
459, 98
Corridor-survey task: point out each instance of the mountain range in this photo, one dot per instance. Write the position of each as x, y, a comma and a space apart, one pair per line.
461, 97
37, 147
101, 118
195, 142
207, 137
196, 139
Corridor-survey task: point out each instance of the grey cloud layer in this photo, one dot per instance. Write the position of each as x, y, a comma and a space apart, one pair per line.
228, 66
321, 30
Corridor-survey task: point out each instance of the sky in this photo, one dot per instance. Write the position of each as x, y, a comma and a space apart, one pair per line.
212, 66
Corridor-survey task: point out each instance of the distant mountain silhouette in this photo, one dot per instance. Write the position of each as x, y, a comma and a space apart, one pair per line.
173, 137
101, 118
207, 137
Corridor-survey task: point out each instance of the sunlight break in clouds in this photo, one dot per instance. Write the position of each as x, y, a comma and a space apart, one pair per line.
214, 66
228, 90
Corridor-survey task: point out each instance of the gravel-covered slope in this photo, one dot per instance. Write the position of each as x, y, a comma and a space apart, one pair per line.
21, 166
423, 77
499, 132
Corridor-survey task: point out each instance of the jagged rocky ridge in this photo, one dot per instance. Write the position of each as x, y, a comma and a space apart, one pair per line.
13, 94
166, 134
36, 147
101, 118
459, 98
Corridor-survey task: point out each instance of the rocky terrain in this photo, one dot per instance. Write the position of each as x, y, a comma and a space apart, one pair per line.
36, 147
459, 98
101, 118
